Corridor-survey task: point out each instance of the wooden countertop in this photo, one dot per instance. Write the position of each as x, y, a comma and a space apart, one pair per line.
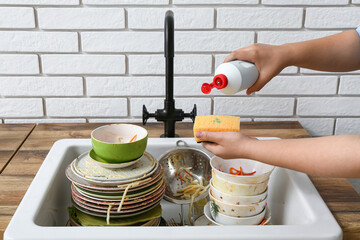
339, 195
11, 138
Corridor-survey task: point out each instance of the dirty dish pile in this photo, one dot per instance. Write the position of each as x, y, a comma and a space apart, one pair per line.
116, 193
238, 191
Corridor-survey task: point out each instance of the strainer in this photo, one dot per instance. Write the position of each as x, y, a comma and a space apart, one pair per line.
198, 160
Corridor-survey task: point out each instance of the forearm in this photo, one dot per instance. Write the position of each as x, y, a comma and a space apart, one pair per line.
335, 53
334, 156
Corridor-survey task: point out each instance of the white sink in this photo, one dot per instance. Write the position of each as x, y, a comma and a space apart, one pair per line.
298, 212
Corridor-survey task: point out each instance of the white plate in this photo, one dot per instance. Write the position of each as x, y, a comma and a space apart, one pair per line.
108, 183
88, 169
203, 221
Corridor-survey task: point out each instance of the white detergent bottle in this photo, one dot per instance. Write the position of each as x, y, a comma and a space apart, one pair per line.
232, 77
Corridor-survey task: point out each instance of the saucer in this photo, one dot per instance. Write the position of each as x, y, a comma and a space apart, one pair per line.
105, 164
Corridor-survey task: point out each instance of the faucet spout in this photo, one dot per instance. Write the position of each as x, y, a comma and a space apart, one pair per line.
169, 114
169, 54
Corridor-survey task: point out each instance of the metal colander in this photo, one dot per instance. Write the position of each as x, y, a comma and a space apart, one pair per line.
184, 156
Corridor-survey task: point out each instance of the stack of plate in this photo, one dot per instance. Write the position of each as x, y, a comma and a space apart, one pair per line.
97, 193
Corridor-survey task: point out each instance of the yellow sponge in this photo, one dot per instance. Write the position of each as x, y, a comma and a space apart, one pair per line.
216, 123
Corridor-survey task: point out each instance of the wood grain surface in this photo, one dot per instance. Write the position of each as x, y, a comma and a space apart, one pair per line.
339, 195
11, 138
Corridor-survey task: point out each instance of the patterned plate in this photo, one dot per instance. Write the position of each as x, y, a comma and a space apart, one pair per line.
127, 200
116, 196
124, 210
121, 188
79, 180
113, 215
91, 170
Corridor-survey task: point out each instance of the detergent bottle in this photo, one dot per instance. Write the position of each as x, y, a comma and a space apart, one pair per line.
232, 77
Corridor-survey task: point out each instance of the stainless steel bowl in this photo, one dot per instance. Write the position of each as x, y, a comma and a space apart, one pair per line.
189, 157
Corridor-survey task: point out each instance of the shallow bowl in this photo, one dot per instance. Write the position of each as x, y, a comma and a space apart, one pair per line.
236, 200
231, 188
112, 142
229, 220
222, 168
238, 210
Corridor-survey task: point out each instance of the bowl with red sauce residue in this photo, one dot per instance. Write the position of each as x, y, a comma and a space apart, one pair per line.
241, 170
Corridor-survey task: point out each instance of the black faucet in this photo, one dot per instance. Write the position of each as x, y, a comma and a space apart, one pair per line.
169, 114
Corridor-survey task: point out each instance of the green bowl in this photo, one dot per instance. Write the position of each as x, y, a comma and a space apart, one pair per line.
112, 142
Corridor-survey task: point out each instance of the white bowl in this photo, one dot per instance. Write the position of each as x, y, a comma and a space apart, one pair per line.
236, 189
229, 220
236, 200
238, 210
222, 167
242, 221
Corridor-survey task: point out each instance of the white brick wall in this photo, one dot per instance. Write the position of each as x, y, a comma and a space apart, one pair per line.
22, 41
185, 18
86, 107
183, 64
259, 18
83, 64
250, 106
81, 18
19, 64
41, 86
30, 107
101, 60
305, 2
341, 17
19, 17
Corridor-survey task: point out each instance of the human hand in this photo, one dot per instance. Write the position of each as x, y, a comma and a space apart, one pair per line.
270, 60
226, 144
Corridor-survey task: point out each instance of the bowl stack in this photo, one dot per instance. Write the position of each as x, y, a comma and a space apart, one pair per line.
238, 191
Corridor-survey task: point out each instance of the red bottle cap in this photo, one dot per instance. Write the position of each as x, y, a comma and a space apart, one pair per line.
220, 81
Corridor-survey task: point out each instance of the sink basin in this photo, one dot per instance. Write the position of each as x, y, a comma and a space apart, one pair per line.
298, 211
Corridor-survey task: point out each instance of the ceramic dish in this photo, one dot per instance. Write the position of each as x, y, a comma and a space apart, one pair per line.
238, 188
119, 143
101, 205
77, 178
236, 200
225, 219
89, 220
118, 196
113, 215
105, 164
124, 210
207, 214
127, 200
203, 221
238, 210
221, 167
135, 187
119, 188
88, 169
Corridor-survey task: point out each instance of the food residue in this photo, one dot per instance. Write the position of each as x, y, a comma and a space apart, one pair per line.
240, 172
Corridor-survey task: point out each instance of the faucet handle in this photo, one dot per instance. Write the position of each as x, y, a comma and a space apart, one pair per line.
192, 114
145, 115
